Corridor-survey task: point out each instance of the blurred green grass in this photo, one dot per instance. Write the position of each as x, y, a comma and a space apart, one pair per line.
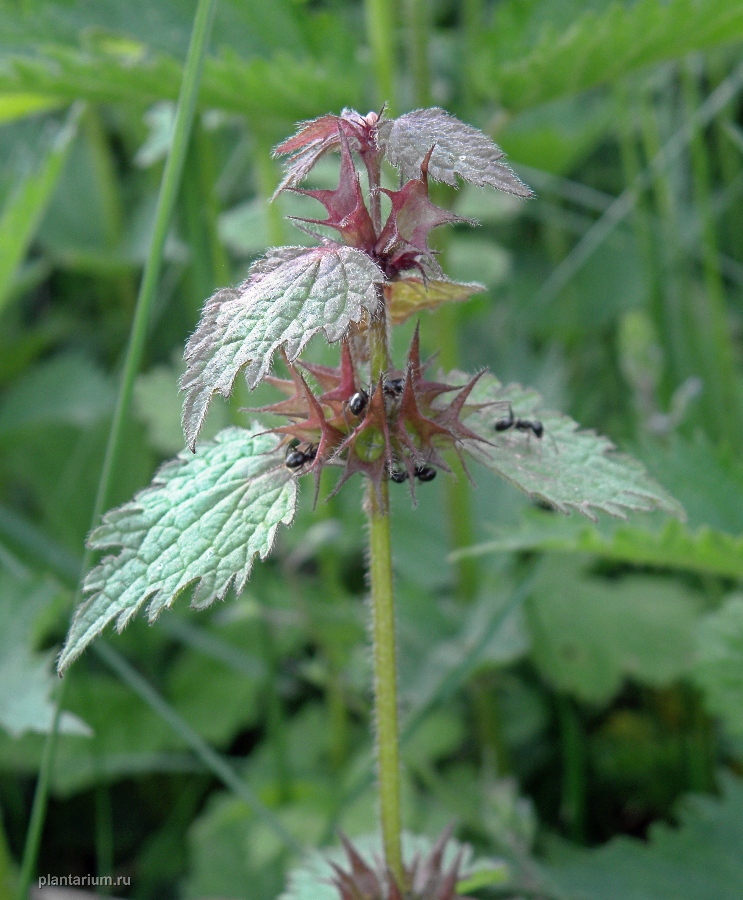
613, 686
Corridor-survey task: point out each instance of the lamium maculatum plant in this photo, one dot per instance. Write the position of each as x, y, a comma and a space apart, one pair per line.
208, 513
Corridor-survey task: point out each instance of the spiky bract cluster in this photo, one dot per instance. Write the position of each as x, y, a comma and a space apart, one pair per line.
374, 272
402, 243
425, 878
405, 421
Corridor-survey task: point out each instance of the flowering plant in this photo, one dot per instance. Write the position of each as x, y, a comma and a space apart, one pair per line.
210, 512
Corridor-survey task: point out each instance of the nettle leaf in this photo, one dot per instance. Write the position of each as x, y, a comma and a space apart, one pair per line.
599, 46
567, 468
589, 634
409, 296
458, 149
289, 296
316, 878
203, 520
701, 859
674, 546
718, 669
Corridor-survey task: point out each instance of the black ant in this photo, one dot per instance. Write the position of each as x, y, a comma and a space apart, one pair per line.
296, 458
357, 402
533, 425
422, 473
394, 387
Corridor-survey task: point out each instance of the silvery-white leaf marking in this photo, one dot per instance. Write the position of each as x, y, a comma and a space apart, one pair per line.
459, 150
290, 295
203, 519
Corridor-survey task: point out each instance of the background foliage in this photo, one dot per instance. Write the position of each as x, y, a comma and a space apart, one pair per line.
571, 693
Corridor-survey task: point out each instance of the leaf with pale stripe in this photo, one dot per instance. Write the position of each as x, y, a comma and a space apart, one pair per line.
203, 520
290, 295
568, 468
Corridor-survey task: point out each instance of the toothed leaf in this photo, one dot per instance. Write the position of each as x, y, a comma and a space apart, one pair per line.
674, 546
567, 468
280, 305
588, 635
700, 858
459, 150
408, 296
203, 520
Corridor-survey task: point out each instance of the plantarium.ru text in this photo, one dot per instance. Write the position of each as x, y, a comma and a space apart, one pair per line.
211, 511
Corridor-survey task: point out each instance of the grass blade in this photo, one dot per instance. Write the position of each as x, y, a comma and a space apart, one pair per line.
24, 208
166, 200
210, 758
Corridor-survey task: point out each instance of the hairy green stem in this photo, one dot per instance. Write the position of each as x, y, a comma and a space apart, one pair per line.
385, 676
138, 334
383, 598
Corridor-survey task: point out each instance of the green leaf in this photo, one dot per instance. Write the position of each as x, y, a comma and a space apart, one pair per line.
203, 519
588, 634
597, 47
18, 106
66, 390
273, 92
26, 679
718, 668
568, 469
291, 294
701, 859
313, 880
158, 407
23, 209
409, 296
674, 546
458, 150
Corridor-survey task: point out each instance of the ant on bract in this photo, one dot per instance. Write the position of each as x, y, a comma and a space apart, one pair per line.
357, 403
422, 473
296, 457
394, 387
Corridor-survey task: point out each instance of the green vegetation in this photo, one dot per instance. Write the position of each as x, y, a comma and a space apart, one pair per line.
569, 692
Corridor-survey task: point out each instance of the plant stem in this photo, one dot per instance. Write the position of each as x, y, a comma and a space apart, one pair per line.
417, 24
383, 601
385, 674
573, 769
472, 24
138, 334
380, 30
715, 348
